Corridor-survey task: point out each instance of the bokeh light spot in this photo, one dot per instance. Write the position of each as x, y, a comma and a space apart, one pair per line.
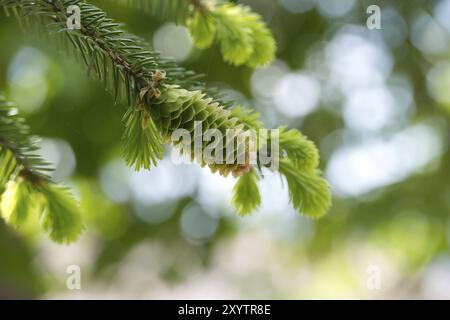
27, 79
173, 41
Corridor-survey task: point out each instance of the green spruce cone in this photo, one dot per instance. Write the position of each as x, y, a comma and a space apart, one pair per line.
182, 109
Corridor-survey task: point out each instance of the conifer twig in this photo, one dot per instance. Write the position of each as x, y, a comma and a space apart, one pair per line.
163, 97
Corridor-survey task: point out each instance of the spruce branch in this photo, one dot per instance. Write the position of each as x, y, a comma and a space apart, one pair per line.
163, 97
26, 189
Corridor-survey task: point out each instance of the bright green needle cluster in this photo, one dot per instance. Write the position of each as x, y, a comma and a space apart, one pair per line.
243, 37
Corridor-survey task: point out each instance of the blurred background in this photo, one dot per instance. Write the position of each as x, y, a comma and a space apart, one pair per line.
376, 102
